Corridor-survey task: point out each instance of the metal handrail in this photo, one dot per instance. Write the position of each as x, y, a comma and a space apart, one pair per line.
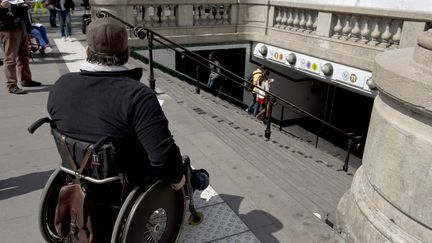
143, 32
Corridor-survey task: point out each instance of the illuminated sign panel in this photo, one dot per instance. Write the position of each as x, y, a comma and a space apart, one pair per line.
352, 78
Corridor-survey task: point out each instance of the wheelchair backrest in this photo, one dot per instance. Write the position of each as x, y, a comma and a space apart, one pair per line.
100, 159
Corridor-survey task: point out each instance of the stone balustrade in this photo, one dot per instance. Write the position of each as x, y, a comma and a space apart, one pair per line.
350, 35
375, 31
162, 15
211, 14
155, 15
292, 19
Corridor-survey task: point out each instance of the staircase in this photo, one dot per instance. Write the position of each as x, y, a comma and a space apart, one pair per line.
309, 176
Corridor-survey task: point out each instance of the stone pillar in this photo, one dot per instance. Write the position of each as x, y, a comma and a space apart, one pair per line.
185, 15
390, 199
325, 24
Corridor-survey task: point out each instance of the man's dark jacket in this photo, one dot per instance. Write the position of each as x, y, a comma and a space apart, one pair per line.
14, 18
91, 105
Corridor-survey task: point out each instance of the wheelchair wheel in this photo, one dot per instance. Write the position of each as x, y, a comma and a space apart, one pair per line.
48, 205
155, 215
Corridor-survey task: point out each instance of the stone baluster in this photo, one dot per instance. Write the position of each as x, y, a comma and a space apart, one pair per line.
315, 22
164, 17
210, 16
338, 27
365, 31
346, 31
284, 18
302, 24
386, 35
203, 16
309, 22
290, 19
138, 12
397, 36
278, 17
376, 33
225, 15
296, 21
155, 18
147, 18
218, 15
172, 19
355, 32
196, 15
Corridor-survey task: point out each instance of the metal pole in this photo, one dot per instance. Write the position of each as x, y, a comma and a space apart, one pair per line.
345, 166
269, 106
321, 129
281, 119
197, 89
352, 140
317, 138
151, 79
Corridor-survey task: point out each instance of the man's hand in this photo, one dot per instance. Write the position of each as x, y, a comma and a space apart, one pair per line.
180, 184
5, 4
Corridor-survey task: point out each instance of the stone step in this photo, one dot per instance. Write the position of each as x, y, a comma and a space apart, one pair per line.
215, 123
258, 127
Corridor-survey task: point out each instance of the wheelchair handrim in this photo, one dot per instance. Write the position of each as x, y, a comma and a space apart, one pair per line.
138, 216
46, 226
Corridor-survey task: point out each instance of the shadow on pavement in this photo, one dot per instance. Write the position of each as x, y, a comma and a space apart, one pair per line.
16, 186
43, 88
261, 223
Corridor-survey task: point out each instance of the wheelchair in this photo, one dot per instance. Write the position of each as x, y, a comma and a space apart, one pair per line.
150, 212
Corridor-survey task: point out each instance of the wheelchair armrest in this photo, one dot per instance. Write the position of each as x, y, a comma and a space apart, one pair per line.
39, 123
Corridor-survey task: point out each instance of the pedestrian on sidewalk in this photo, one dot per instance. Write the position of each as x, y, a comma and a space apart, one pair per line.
65, 8
38, 4
50, 5
13, 35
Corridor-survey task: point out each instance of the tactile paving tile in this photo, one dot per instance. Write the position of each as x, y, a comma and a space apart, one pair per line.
206, 198
219, 222
247, 237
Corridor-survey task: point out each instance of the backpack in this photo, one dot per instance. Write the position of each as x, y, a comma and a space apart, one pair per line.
249, 83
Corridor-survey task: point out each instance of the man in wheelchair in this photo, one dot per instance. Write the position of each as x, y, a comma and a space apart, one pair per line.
105, 99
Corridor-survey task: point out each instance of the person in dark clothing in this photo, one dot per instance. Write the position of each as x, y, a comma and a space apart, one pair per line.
105, 98
13, 35
50, 5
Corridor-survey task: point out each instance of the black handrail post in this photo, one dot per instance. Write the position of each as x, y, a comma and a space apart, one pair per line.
350, 143
270, 103
197, 89
318, 134
152, 80
281, 118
